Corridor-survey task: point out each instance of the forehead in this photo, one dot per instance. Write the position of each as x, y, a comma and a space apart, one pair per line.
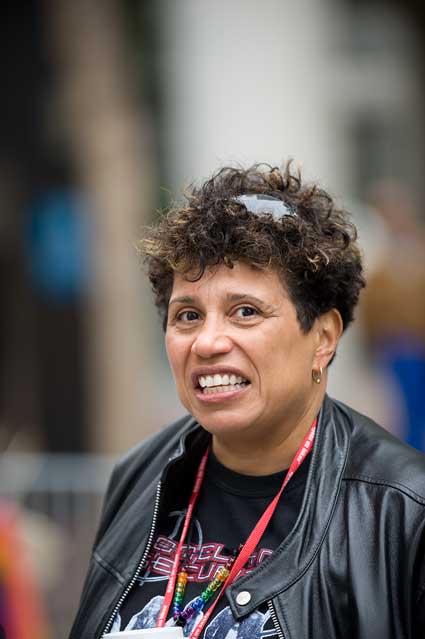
242, 279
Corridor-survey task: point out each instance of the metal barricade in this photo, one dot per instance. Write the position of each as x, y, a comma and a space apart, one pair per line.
59, 499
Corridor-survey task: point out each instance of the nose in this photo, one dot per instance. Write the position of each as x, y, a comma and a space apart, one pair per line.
211, 340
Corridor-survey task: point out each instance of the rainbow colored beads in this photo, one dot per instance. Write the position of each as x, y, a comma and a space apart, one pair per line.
181, 617
179, 594
215, 584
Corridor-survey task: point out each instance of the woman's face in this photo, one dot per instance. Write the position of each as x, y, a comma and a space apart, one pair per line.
239, 358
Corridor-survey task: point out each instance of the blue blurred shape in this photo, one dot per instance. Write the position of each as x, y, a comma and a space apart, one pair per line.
59, 243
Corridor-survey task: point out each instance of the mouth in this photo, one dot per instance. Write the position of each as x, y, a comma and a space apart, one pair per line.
225, 382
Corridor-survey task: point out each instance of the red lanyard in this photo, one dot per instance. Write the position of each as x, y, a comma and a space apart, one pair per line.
250, 544
169, 592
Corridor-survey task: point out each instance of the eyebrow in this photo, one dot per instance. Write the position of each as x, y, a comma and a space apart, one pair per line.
230, 297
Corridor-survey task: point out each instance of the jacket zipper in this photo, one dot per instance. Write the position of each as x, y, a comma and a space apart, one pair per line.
141, 562
276, 624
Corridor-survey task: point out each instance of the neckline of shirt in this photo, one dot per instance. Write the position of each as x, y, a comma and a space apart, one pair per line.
251, 485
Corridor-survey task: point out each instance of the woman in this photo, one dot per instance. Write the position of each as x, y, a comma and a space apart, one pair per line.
270, 510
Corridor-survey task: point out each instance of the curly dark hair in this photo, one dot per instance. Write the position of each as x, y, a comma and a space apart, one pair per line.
314, 251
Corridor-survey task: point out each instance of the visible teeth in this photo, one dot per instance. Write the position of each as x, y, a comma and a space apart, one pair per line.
223, 389
208, 381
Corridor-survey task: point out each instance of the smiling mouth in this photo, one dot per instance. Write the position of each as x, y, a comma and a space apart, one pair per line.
212, 384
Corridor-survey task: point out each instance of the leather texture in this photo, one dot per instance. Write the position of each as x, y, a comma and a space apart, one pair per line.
353, 566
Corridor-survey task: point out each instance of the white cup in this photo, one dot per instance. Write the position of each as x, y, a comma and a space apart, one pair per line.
167, 632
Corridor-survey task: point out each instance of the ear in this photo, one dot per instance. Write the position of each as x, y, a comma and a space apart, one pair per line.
329, 327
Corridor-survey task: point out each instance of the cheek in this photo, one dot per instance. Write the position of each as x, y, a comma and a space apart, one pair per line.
168, 346
286, 360
172, 352
176, 352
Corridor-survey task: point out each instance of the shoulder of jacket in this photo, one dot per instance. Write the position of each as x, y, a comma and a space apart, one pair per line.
145, 460
161, 443
168, 434
377, 456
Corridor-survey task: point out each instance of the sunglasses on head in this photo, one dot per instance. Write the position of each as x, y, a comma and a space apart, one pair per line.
261, 203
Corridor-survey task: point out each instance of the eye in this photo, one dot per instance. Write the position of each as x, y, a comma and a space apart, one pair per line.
246, 311
187, 316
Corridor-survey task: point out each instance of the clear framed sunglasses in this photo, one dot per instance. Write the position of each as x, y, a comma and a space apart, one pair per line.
261, 203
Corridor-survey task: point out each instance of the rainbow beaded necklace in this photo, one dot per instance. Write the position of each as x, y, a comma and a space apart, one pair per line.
182, 615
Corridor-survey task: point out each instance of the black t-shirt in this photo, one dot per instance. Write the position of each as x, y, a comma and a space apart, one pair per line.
228, 507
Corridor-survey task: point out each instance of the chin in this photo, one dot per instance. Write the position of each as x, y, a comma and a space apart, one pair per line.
221, 425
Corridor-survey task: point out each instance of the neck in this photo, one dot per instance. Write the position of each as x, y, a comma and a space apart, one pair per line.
266, 454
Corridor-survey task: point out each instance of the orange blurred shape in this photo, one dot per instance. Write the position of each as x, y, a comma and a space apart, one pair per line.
21, 612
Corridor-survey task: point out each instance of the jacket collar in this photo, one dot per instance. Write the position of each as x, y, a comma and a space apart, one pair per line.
292, 558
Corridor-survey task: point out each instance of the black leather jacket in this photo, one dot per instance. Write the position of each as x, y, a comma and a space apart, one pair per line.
353, 567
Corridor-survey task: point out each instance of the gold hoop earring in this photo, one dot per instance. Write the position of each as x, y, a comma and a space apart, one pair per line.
317, 375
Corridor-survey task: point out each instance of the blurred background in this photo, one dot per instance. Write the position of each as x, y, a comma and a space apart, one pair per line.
109, 109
